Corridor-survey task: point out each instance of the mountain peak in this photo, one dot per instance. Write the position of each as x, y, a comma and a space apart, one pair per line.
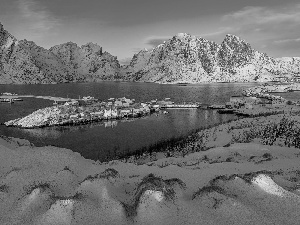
182, 35
91, 45
231, 38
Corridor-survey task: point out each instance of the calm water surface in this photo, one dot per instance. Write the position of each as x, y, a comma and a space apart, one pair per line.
99, 140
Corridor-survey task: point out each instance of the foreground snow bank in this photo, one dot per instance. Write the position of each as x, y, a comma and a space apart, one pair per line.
240, 184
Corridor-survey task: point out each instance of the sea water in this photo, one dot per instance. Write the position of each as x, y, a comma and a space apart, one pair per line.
102, 139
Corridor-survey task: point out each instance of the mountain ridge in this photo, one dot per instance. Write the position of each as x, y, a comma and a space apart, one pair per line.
24, 62
199, 60
182, 58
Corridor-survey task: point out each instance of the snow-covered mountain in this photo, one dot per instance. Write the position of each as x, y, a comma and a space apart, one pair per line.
25, 62
185, 58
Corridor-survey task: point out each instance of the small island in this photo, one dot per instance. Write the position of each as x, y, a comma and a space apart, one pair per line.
89, 109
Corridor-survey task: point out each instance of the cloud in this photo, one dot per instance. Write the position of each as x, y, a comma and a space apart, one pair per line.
261, 16
153, 41
275, 29
287, 41
222, 31
137, 50
288, 47
36, 18
125, 61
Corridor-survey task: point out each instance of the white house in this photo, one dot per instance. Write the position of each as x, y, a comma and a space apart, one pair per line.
74, 116
118, 103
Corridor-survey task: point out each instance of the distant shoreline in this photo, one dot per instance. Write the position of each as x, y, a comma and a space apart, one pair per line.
126, 81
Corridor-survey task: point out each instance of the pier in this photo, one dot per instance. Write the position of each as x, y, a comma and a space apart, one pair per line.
14, 97
180, 106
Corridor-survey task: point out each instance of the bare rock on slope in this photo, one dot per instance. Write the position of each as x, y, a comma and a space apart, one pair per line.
25, 62
88, 62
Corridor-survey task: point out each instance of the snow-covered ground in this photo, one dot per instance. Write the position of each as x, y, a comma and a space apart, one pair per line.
240, 184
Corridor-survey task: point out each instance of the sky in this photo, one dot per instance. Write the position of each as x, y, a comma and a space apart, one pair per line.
124, 27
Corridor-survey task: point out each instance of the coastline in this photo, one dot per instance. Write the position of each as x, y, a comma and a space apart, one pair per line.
148, 82
40, 185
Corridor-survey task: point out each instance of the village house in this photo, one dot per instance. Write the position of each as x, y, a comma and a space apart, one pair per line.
162, 103
110, 113
89, 100
58, 101
125, 112
156, 107
74, 116
82, 102
129, 101
118, 103
63, 117
72, 103
84, 115
147, 109
96, 114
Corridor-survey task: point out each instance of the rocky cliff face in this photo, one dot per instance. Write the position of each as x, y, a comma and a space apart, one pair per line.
88, 62
185, 58
25, 62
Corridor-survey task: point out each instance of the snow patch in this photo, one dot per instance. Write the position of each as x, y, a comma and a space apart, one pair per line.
268, 185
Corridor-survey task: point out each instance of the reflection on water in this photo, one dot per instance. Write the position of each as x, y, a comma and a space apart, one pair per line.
98, 140
110, 124
205, 114
214, 115
42, 133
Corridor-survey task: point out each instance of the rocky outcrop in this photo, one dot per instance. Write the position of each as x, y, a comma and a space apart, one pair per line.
25, 62
185, 58
40, 118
